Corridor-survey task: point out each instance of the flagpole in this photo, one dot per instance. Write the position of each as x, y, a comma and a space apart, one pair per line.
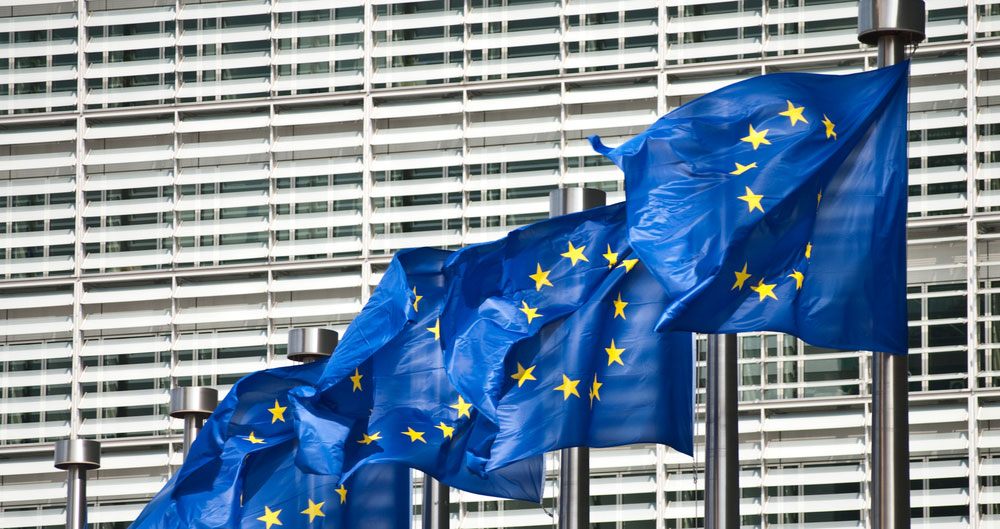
574, 463
434, 512
722, 457
194, 405
76, 457
892, 25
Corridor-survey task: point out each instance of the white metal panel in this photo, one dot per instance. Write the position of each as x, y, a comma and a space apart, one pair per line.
223, 148
221, 313
35, 300
223, 9
126, 320
189, 290
192, 341
127, 294
114, 17
221, 253
223, 173
118, 346
19, 352
37, 161
219, 123
40, 325
295, 195
129, 155
130, 129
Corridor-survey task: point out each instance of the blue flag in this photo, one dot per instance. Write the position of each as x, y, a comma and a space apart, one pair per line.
552, 328
779, 204
417, 416
599, 377
496, 289
223, 474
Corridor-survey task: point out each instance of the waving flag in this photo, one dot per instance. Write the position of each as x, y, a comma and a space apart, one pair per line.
779, 204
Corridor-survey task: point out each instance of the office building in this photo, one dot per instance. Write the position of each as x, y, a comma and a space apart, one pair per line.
181, 182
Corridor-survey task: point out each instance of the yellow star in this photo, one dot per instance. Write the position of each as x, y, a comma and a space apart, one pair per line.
343, 493
612, 257
740, 169
798, 278
356, 381
314, 510
253, 440
277, 412
541, 277
595, 390
628, 264
619, 307
531, 313
741, 276
614, 354
414, 435
752, 200
568, 387
369, 439
829, 127
416, 299
270, 517
446, 430
794, 113
764, 291
809, 250
436, 329
575, 254
756, 138
462, 407
523, 374
819, 196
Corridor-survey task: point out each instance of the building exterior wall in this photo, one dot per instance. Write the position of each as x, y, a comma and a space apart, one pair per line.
181, 182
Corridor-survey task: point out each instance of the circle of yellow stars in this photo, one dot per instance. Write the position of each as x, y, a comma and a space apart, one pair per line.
756, 138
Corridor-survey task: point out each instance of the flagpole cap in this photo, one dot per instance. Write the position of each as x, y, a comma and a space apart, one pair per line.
575, 199
197, 401
308, 344
903, 18
80, 453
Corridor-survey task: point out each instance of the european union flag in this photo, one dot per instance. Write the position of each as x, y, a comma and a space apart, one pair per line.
599, 377
497, 290
553, 327
231, 466
417, 417
778, 203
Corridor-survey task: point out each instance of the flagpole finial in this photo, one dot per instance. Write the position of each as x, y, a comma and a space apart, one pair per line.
904, 19
308, 344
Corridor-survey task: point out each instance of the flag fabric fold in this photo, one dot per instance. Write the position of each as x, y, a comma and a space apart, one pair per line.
225, 474
417, 417
552, 328
778, 204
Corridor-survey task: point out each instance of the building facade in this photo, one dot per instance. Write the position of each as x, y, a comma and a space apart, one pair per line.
181, 182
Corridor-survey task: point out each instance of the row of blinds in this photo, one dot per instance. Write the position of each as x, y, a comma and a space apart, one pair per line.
819, 482
161, 54
216, 188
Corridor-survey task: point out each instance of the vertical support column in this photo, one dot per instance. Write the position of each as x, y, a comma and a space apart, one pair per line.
574, 465
892, 25
194, 405
76, 457
434, 514
722, 457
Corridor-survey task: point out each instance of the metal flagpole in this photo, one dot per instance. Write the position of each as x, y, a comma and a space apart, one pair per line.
574, 463
434, 513
722, 458
891, 24
194, 405
76, 457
